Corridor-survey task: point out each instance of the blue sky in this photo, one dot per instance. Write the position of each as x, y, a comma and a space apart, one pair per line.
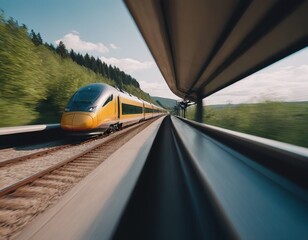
105, 29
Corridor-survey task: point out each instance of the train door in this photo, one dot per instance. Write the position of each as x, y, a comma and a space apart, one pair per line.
119, 109
143, 110
115, 115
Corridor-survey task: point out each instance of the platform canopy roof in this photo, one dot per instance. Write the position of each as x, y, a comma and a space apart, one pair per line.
202, 46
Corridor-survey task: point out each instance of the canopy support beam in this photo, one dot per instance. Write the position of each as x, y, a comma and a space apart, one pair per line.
199, 110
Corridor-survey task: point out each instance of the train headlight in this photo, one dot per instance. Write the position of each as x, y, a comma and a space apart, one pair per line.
66, 109
91, 109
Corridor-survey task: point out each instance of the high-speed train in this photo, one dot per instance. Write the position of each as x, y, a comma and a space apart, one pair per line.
99, 108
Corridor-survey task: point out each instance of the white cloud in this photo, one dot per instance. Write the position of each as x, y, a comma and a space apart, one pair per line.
289, 83
113, 46
72, 40
128, 65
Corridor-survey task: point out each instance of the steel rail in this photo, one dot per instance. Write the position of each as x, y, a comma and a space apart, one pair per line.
31, 155
67, 144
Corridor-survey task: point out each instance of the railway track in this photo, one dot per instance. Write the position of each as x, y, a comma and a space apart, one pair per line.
27, 156
23, 200
185, 184
22, 155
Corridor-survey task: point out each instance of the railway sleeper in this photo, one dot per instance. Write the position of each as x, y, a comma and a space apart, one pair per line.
87, 158
68, 169
68, 173
87, 161
4, 231
9, 217
60, 178
83, 164
16, 203
33, 191
48, 183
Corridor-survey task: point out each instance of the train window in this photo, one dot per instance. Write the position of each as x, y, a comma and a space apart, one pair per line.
148, 110
108, 100
131, 109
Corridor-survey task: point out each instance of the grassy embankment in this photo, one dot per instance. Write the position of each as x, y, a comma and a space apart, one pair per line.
36, 82
281, 121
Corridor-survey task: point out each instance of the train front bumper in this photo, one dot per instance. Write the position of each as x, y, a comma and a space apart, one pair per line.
78, 121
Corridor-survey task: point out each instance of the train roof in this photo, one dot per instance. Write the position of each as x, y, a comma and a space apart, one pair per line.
97, 86
103, 87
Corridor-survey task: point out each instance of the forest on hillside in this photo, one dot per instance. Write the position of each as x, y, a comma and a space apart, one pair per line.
37, 78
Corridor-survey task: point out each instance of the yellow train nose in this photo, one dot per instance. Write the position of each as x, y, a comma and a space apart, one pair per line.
82, 121
67, 119
77, 121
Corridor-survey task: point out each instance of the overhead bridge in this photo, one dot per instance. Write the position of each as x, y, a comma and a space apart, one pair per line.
178, 180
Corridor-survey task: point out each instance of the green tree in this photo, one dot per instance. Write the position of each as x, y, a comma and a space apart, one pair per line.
73, 55
36, 38
61, 50
87, 61
21, 76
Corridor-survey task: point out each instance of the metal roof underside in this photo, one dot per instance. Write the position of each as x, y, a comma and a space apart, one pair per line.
202, 46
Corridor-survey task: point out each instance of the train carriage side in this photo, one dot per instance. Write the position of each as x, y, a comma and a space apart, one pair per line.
131, 109
157, 111
107, 113
148, 110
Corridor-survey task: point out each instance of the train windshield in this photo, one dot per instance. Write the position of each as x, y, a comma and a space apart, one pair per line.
88, 96
83, 100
